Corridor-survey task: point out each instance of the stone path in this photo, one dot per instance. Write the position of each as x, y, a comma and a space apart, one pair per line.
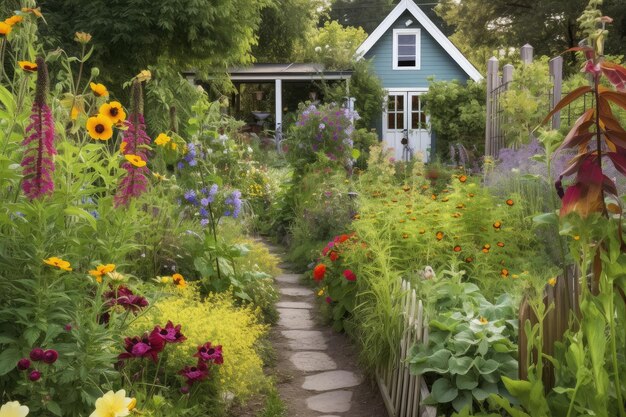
319, 375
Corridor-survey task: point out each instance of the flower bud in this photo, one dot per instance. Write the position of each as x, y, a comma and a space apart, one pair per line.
36, 354
34, 376
50, 356
23, 364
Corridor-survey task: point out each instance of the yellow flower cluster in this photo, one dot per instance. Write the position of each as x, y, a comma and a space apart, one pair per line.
218, 320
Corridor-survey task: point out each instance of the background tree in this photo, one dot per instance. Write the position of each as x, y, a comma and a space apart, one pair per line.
284, 28
481, 28
332, 45
130, 36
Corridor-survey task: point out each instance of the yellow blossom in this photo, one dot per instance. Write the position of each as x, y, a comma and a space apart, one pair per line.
162, 139
82, 37
144, 75
101, 270
483, 320
5, 29
100, 127
13, 409
58, 262
114, 111
27, 66
136, 160
179, 280
13, 20
320, 292
113, 404
99, 90
552, 281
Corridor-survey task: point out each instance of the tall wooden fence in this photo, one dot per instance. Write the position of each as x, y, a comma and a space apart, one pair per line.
402, 392
500, 81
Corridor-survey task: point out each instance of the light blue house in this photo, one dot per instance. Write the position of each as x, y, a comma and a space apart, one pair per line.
406, 49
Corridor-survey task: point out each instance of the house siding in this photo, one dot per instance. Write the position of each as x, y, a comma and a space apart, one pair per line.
434, 60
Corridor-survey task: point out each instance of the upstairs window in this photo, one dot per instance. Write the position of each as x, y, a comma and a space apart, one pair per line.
406, 49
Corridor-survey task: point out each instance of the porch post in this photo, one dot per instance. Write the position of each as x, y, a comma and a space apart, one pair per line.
279, 103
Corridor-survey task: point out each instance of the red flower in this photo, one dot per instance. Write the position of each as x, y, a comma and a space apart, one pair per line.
34, 375
169, 333
349, 275
37, 354
333, 256
142, 347
318, 272
209, 353
343, 238
50, 356
195, 373
23, 364
329, 300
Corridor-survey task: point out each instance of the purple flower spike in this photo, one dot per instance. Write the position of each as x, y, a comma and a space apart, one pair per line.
38, 161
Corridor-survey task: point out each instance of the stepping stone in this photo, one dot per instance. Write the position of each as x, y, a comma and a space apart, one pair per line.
312, 361
294, 304
296, 291
288, 278
331, 380
328, 416
295, 318
305, 339
330, 402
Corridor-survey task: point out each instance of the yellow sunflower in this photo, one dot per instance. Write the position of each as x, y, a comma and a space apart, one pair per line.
113, 111
99, 90
5, 29
136, 160
27, 66
100, 127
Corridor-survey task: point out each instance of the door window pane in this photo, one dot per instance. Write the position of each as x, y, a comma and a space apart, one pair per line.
400, 121
391, 121
400, 103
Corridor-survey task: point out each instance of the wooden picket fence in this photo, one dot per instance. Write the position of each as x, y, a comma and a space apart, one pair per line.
402, 392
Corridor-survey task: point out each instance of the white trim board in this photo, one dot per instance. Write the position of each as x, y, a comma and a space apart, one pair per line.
430, 27
406, 89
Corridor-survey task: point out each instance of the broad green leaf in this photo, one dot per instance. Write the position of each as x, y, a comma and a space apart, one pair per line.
460, 365
484, 366
443, 391
8, 360
82, 214
468, 381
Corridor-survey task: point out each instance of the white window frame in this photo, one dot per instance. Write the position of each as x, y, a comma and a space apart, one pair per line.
417, 33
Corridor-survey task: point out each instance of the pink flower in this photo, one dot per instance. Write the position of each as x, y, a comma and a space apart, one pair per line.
195, 374
39, 147
23, 364
349, 275
209, 353
169, 333
34, 375
141, 347
50, 356
36, 354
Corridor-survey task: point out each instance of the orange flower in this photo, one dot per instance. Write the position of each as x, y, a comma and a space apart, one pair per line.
471, 195
434, 197
58, 263
27, 66
13, 20
469, 259
114, 111
462, 178
457, 248
318, 272
99, 90
497, 225
439, 235
501, 244
101, 270
504, 273
5, 29
509, 202
405, 235
179, 280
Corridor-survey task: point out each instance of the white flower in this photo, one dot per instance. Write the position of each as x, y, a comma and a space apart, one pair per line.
225, 151
249, 149
209, 151
318, 49
13, 409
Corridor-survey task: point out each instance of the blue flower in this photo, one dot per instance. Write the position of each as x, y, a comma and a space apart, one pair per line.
190, 196
233, 203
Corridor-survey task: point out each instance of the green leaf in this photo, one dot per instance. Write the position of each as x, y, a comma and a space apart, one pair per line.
460, 365
443, 391
485, 366
54, 408
463, 402
82, 214
547, 218
8, 360
437, 362
468, 381
356, 154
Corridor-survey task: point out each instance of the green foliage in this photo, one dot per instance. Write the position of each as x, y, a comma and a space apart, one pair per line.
471, 344
130, 37
333, 45
457, 115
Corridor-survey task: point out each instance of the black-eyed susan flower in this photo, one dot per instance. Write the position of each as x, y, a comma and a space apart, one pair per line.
99, 90
13, 20
509, 202
100, 127
136, 160
406, 188
58, 263
5, 29
462, 178
500, 244
469, 259
457, 248
439, 235
471, 195
162, 139
123, 147
114, 111
460, 206
504, 273
413, 218
179, 281
433, 197
405, 235
27, 66
497, 225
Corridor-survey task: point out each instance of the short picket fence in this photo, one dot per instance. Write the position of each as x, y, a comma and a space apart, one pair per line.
403, 392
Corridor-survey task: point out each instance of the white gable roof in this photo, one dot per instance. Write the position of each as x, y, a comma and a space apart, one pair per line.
430, 27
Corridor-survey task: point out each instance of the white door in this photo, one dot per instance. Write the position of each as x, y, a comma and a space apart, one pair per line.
404, 112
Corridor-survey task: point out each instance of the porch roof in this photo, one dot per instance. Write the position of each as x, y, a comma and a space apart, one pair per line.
286, 72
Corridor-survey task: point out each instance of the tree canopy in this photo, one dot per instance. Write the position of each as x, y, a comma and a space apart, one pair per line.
130, 35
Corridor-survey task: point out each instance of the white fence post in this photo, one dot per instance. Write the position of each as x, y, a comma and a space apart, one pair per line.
556, 72
526, 53
493, 81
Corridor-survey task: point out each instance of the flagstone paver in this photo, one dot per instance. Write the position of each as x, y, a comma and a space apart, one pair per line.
313, 361
294, 304
296, 291
330, 402
332, 380
295, 318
